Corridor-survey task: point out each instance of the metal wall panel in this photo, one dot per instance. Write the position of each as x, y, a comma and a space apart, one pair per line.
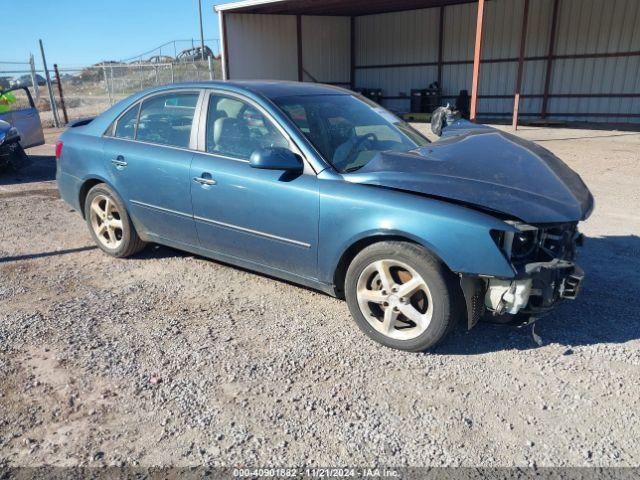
262, 46
502, 25
401, 37
459, 32
393, 38
596, 26
326, 49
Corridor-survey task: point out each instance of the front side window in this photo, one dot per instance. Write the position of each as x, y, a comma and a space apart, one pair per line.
236, 128
349, 131
167, 119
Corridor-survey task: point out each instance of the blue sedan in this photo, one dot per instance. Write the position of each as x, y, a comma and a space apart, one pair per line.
317, 185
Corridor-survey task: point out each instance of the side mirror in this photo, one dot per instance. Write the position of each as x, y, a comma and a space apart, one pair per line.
276, 158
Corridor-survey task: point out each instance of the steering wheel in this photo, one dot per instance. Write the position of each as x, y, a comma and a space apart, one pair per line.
358, 146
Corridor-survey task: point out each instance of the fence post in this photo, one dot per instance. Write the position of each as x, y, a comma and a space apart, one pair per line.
112, 84
210, 67
64, 107
106, 84
172, 78
52, 99
34, 79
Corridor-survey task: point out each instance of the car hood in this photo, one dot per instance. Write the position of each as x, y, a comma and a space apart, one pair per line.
487, 168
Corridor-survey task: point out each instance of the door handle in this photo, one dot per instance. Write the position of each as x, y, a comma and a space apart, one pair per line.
119, 162
204, 181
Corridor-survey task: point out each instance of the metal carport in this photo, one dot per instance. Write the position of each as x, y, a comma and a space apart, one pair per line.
575, 60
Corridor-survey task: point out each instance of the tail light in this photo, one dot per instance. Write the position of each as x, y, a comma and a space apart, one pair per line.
59, 145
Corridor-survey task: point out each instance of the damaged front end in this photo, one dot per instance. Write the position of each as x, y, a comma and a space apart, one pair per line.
11, 153
543, 258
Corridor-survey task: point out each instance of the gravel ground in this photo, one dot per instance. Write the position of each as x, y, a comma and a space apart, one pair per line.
171, 359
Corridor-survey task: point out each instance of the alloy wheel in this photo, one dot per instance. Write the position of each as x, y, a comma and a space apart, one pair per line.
394, 299
106, 221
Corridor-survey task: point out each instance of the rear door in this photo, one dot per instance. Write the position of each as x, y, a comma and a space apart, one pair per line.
148, 155
23, 115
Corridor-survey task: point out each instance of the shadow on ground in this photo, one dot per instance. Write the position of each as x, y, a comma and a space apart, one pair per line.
41, 169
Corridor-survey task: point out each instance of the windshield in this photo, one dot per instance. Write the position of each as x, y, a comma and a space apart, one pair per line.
347, 130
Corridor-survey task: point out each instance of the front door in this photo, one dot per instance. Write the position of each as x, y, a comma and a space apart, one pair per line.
265, 217
148, 158
18, 110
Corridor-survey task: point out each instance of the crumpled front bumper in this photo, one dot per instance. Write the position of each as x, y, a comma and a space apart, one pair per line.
536, 289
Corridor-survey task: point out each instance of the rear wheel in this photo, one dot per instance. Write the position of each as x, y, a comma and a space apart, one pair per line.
109, 223
401, 296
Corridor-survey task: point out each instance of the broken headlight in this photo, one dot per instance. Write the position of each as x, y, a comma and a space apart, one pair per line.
521, 245
525, 244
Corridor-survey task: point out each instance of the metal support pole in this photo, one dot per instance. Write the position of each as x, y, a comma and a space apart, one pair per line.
476, 61
210, 60
440, 46
52, 98
172, 77
352, 64
224, 53
64, 108
106, 85
34, 78
299, 48
201, 29
552, 41
112, 84
155, 69
523, 39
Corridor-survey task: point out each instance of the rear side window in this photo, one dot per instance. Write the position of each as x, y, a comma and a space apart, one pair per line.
167, 119
126, 126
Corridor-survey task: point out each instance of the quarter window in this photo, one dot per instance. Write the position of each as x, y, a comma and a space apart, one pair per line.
237, 129
167, 119
126, 126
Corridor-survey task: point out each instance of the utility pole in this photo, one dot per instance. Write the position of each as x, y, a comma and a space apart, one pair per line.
52, 99
201, 29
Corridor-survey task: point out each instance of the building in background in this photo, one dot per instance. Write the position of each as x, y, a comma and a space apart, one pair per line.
570, 60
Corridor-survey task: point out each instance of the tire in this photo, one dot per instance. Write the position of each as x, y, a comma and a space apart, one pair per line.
439, 301
119, 237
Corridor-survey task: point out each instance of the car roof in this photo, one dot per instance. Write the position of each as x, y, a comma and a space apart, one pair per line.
271, 89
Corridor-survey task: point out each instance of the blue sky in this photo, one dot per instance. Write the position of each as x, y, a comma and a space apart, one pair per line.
83, 32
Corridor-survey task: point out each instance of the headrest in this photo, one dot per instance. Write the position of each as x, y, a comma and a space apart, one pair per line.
225, 127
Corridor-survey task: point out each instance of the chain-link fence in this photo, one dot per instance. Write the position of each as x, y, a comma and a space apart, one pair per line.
89, 91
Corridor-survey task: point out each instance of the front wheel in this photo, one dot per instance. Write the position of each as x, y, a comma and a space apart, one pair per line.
401, 296
109, 223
